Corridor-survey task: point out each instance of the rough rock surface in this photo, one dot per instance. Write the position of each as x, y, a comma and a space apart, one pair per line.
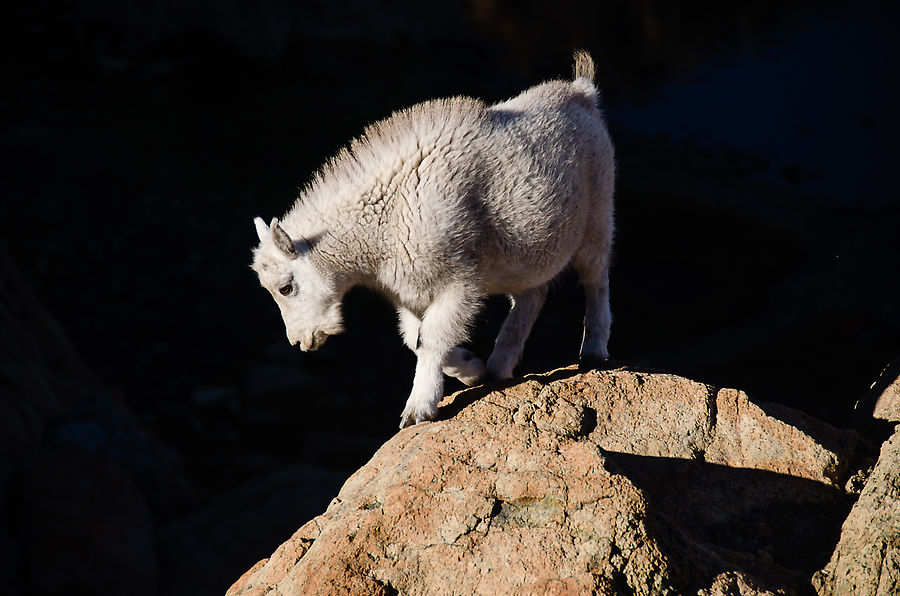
606, 482
877, 411
887, 402
866, 561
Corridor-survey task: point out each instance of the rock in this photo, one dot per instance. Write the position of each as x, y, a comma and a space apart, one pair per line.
81, 514
201, 551
482, 522
41, 372
887, 404
663, 415
879, 407
866, 561
215, 396
90, 503
606, 482
79, 480
266, 378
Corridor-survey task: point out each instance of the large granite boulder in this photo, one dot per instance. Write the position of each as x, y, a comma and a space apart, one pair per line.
606, 482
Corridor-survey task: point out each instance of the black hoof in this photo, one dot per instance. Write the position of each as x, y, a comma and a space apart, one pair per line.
593, 363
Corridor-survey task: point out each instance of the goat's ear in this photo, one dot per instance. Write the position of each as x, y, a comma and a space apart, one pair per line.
282, 240
262, 230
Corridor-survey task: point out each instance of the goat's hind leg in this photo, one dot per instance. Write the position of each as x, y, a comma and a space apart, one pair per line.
594, 274
463, 365
459, 363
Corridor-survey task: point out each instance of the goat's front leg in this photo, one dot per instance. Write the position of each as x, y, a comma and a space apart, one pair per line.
443, 326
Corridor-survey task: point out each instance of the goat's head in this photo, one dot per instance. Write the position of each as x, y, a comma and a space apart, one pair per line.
306, 294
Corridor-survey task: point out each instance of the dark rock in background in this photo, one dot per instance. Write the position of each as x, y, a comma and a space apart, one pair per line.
198, 552
90, 503
866, 561
80, 481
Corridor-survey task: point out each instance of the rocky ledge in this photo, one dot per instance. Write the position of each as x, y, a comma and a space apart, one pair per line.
610, 482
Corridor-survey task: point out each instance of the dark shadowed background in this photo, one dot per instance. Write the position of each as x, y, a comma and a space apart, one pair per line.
758, 237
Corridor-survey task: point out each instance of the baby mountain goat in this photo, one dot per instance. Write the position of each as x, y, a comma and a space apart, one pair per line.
446, 203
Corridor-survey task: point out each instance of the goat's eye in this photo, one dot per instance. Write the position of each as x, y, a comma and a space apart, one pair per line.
285, 289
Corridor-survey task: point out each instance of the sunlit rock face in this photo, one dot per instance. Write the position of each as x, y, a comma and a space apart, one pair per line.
577, 482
